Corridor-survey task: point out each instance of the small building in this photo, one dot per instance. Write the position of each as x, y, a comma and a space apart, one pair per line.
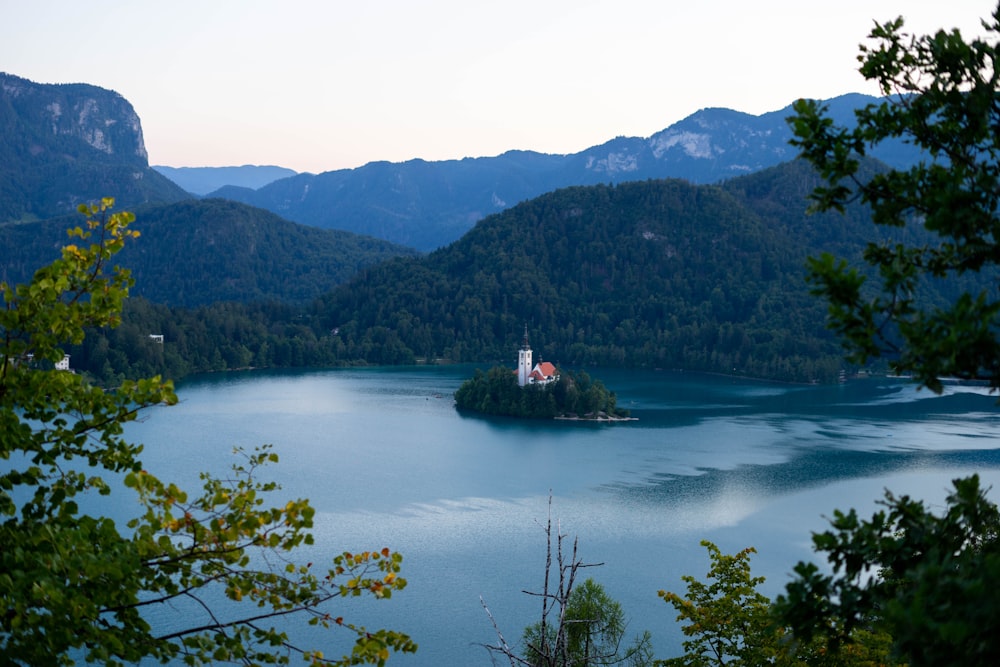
543, 372
63, 364
156, 338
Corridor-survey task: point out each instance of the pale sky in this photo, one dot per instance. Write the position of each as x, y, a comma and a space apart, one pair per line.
316, 85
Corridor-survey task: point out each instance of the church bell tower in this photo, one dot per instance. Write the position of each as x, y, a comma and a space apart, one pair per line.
524, 360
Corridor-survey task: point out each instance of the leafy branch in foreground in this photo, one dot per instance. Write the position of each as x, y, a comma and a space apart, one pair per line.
943, 99
73, 585
927, 581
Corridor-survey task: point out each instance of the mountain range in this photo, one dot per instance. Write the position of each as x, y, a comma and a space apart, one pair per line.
62, 144
427, 205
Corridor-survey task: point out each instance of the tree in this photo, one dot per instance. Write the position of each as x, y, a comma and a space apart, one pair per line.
927, 581
573, 395
579, 626
942, 97
73, 584
594, 633
727, 617
730, 622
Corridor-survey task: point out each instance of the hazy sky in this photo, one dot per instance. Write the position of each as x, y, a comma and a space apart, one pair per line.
316, 85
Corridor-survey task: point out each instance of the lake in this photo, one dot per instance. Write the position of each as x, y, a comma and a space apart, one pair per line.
387, 461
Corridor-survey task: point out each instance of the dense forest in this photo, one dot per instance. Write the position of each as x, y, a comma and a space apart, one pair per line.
657, 274
216, 337
198, 252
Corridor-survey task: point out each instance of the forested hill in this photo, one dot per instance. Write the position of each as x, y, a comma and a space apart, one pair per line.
204, 251
651, 274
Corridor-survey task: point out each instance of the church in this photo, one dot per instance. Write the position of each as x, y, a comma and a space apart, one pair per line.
542, 373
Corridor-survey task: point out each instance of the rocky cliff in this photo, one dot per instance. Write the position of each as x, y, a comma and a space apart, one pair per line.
61, 145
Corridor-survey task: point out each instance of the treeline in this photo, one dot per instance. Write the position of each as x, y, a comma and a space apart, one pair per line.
218, 337
224, 336
198, 252
574, 394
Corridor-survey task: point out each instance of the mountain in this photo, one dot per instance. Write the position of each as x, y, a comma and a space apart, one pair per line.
431, 204
417, 203
203, 180
202, 251
660, 274
61, 145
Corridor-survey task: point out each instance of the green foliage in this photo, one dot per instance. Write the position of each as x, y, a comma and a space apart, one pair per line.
730, 622
574, 394
928, 581
496, 392
73, 585
595, 631
198, 252
727, 618
944, 100
580, 626
216, 337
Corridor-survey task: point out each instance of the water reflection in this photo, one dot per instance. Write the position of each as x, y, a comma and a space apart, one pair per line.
386, 460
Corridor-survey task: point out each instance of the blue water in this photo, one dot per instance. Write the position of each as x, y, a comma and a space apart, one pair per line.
387, 461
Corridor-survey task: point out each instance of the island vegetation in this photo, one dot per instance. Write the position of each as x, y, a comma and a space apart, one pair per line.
575, 395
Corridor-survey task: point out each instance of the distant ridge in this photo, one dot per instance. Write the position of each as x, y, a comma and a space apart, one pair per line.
428, 205
203, 180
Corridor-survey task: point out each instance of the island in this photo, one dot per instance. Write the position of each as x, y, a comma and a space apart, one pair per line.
538, 392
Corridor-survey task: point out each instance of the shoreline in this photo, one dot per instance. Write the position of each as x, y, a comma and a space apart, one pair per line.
604, 418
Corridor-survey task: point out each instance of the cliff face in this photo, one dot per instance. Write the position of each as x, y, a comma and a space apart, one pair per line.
75, 119
61, 145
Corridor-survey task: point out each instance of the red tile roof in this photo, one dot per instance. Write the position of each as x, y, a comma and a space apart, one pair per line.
547, 369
